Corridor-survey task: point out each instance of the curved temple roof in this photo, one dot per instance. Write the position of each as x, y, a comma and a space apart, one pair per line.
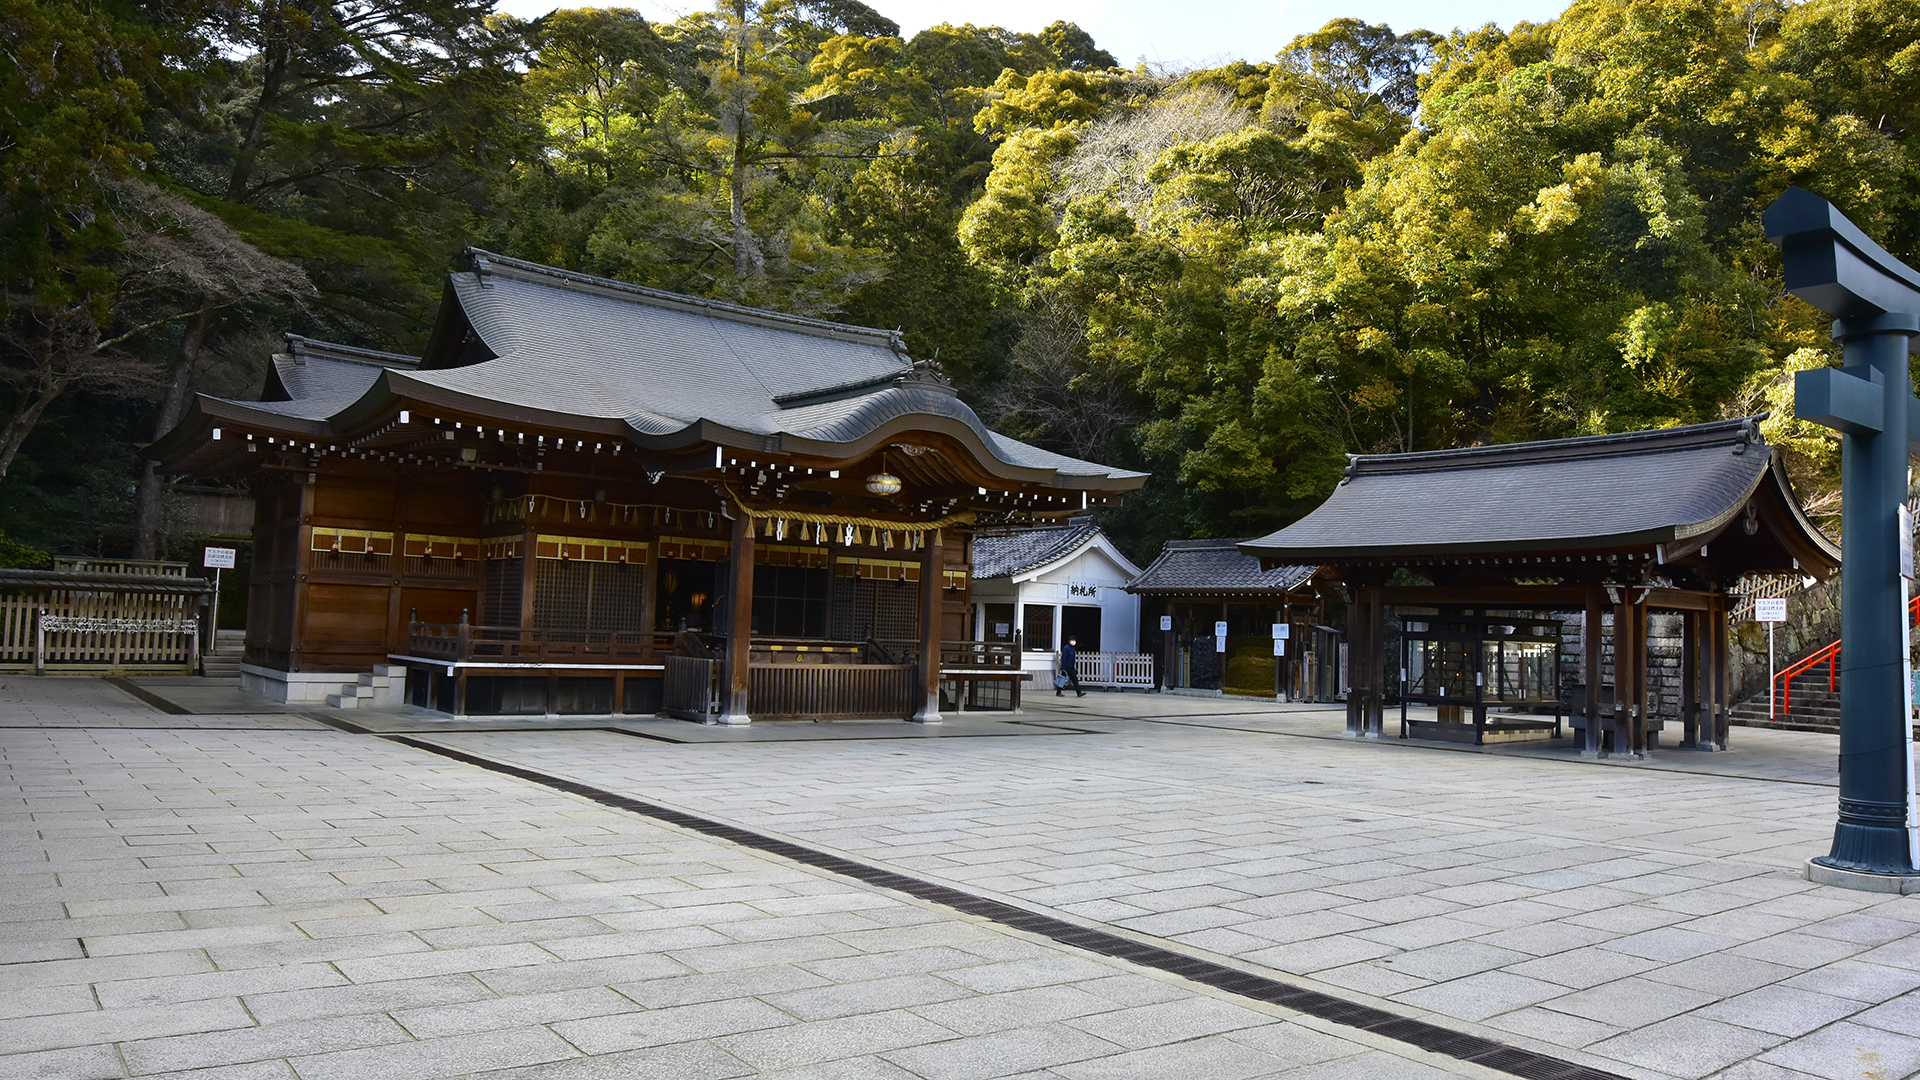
1636, 489
1210, 567
539, 345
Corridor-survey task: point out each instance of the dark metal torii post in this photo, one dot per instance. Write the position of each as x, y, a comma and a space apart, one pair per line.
1875, 301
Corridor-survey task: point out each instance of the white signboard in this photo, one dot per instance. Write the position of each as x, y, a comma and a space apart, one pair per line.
1166, 622
1279, 646
1282, 631
219, 558
1906, 543
1770, 609
1219, 643
1000, 629
1220, 631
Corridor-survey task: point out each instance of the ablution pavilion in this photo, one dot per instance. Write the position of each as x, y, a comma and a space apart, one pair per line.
592, 497
1475, 552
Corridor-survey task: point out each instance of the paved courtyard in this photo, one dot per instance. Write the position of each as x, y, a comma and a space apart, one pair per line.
198, 884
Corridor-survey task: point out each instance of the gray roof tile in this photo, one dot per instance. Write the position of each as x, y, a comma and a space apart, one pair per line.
1004, 554
1215, 566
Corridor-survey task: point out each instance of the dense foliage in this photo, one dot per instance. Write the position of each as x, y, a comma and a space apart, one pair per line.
1231, 277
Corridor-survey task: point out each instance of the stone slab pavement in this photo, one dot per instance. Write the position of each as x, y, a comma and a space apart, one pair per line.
262, 895
1649, 919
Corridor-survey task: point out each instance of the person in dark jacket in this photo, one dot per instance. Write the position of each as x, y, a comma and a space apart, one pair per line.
1068, 655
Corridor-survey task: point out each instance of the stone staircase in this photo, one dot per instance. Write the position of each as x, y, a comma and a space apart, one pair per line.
224, 661
384, 688
1815, 708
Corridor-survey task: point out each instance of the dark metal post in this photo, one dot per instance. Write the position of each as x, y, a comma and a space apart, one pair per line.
1875, 300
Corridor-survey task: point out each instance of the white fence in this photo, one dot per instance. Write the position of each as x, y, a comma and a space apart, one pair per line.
1123, 671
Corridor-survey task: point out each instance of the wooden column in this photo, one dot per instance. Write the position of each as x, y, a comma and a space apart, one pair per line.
740, 632
1641, 644
649, 596
1356, 648
1689, 679
1622, 671
932, 567
1717, 704
529, 547
1590, 649
1376, 660
302, 561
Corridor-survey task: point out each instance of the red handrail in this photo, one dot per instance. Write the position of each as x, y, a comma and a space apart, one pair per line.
1829, 656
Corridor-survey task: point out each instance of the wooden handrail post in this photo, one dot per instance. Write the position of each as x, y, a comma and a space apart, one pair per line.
463, 648
39, 642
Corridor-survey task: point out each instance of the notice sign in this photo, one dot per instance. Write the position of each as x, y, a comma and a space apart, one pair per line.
1166, 622
1770, 609
1220, 630
1906, 543
1282, 631
219, 558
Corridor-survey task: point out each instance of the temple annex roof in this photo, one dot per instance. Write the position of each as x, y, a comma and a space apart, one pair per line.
1666, 491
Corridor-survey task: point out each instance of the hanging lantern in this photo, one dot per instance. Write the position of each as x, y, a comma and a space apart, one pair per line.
883, 483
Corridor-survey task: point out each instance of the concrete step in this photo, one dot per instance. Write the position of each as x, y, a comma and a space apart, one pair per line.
378, 682
344, 701
391, 671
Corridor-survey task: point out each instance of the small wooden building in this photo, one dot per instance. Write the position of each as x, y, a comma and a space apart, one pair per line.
1220, 606
592, 497
1499, 538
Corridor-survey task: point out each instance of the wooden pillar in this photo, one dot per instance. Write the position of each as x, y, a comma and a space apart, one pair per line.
1642, 643
932, 571
1590, 648
1689, 679
1356, 646
649, 595
1717, 646
1376, 660
302, 563
1622, 670
529, 549
740, 632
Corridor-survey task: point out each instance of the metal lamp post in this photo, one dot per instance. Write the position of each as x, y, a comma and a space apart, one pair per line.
1875, 301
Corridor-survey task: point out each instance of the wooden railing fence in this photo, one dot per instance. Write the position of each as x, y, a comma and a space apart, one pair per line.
830, 691
690, 690
1123, 671
72, 623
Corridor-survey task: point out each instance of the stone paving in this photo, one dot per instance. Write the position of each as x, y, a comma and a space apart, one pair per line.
259, 895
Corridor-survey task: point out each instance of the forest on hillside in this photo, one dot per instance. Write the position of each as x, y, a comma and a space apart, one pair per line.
1379, 240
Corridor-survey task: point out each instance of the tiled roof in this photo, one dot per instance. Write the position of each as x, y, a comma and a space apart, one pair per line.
1641, 487
1215, 566
1004, 554
315, 379
670, 369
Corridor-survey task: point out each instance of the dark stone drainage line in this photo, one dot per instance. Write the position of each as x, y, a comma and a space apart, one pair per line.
1431, 1037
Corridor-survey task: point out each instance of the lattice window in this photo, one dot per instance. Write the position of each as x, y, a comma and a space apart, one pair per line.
500, 602
887, 609
572, 596
614, 596
560, 595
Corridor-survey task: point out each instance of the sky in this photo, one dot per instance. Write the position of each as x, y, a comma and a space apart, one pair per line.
1179, 33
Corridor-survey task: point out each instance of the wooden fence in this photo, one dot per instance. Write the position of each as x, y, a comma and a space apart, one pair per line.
87, 623
1123, 671
689, 690
830, 691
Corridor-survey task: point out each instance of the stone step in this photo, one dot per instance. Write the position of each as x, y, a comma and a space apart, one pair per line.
343, 701
378, 682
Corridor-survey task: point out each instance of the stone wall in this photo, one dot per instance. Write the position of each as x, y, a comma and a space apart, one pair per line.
1664, 641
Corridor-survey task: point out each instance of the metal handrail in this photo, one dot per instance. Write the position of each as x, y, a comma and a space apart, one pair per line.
1830, 656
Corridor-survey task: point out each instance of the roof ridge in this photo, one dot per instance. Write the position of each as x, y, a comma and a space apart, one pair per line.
1746, 429
299, 346
487, 262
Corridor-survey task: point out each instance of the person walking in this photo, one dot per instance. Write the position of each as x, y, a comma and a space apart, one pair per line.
1068, 676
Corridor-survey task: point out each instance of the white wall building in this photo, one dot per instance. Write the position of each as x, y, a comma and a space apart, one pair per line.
1051, 584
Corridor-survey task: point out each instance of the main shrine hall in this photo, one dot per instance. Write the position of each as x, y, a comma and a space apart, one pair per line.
592, 497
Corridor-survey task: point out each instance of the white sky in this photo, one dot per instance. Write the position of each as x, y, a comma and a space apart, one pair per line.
1183, 33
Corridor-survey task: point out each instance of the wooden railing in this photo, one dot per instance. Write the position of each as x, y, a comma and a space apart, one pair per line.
96, 623
138, 567
472, 642
830, 691
979, 655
